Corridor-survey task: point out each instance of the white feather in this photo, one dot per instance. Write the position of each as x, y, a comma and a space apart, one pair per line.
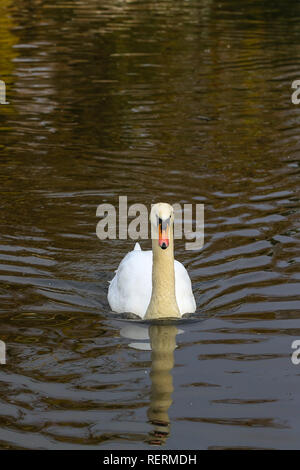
130, 289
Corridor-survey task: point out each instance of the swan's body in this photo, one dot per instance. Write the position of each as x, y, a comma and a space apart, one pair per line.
151, 284
131, 288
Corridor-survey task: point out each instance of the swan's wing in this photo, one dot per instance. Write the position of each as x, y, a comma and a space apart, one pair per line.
183, 290
130, 290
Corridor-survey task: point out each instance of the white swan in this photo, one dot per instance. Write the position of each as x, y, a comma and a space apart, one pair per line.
151, 284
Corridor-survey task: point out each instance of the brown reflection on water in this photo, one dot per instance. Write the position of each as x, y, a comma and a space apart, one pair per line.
187, 102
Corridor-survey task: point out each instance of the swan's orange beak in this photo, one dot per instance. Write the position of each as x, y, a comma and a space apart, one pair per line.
163, 234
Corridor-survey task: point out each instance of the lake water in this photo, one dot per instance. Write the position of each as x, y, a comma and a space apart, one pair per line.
174, 101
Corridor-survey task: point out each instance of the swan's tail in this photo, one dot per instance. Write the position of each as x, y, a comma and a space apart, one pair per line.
137, 247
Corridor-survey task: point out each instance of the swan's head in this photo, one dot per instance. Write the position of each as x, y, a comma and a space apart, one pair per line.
161, 217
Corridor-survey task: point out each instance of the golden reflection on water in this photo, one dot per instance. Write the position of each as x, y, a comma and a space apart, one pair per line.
163, 344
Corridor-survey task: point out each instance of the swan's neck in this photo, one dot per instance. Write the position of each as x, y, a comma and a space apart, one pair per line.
163, 300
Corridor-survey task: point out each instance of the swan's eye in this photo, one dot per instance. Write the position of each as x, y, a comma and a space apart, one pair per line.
164, 224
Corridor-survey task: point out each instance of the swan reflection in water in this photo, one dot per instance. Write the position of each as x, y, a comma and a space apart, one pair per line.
161, 340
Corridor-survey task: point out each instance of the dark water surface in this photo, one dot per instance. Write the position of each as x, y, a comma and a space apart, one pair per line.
179, 101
